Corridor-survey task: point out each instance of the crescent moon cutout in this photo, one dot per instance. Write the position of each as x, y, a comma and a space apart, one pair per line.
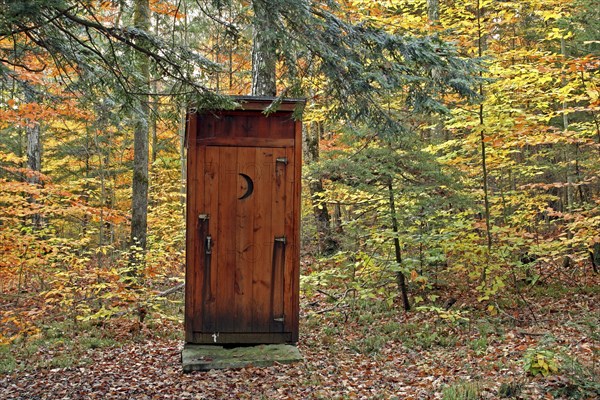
250, 187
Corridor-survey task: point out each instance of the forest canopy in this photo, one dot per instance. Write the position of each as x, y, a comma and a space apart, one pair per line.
442, 139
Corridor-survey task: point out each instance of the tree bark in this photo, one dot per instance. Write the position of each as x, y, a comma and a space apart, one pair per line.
154, 108
595, 257
400, 278
433, 11
139, 201
34, 160
264, 49
327, 244
486, 201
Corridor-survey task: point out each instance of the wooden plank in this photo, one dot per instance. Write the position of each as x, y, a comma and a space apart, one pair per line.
246, 142
198, 232
278, 263
249, 126
211, 184
191, 184
263, 237
219, 114
224, 245
289, 227
263, 128
245, 247
249, 286
206, 124
246, 124
241, 338
282, 126
296, 194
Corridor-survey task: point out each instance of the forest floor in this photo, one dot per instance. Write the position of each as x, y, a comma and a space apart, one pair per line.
356, 350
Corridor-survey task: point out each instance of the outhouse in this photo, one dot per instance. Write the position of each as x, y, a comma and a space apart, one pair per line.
243, 207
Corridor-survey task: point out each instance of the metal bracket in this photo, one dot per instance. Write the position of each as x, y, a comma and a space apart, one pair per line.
282, 160
203, 217
282, 319
280, 239
208, 244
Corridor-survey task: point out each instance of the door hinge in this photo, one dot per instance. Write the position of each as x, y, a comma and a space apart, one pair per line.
281, 319
280, 239
282, 160
203, 217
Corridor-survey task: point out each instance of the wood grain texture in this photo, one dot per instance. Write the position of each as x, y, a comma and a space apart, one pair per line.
247, 291
191, 209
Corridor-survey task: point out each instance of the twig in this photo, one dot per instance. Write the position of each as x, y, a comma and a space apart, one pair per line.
505, 313
524, 333
520, 294
170, 291
138, 307
332, 308
327, 294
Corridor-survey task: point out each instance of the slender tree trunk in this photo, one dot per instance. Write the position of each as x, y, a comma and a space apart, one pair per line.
400, 278
183, 165
183, 121
139, 202
34, 159
595, 257
433, 11
433, 16
566, 263
486, 200
570, 178
337, 218
264, 56
154, 110
327, 244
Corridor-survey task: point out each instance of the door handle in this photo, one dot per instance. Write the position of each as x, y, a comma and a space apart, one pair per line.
208, 246
206, 239
277, 282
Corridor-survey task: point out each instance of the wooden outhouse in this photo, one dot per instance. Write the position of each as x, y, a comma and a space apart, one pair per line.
243, 207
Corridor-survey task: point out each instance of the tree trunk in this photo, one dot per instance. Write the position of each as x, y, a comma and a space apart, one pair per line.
34, 160
264, 56
400, 278
327, 244
595, 257
433, 11
154, 110
139, 201
486, 201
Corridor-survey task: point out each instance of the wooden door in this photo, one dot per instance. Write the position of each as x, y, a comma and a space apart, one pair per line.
245, 222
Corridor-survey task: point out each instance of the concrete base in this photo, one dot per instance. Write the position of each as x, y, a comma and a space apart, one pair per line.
197, 357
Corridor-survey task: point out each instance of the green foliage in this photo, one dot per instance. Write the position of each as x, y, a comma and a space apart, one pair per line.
450, 315
464, 390
8, 363
369, 344
378, 75
578, 381
510, 389
426, 336
540, 362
